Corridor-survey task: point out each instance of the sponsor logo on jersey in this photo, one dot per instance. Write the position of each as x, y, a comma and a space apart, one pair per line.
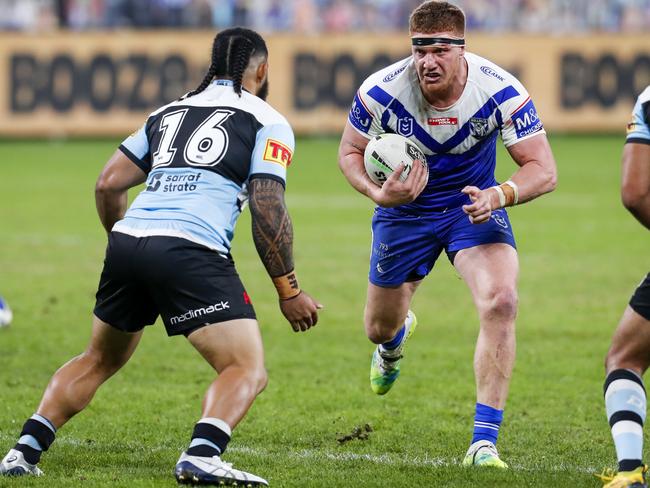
405, 126
526, 120
442, 121
276, 152
359, 115
631, 126
174, 182
479, 127
199, 312
391, 76
490, 72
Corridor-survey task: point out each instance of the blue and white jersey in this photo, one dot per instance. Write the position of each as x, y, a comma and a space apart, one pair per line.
459, 141
638, 130
199, 153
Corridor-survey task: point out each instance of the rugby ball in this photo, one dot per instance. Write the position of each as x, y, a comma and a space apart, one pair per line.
387, 152
5, 313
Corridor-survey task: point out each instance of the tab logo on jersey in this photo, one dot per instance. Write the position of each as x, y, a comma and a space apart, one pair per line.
276, 152
526, 120
442, 121
359, 115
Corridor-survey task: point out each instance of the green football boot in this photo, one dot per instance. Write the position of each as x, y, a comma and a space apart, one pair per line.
384, 367
625, 479
483, 453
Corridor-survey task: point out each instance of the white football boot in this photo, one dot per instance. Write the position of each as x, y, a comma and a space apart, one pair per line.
14, 464
198, 470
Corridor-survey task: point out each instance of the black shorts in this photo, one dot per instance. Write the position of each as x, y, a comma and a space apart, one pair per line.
640, 301
187, 284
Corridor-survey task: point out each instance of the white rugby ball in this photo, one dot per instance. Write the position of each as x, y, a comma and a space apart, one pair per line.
387, 152
5, 313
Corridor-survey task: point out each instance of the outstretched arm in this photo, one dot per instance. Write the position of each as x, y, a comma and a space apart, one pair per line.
119, 174
273, 237
635, 187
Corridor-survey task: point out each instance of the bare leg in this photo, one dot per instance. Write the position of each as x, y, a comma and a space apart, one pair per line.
625, 398
75, 383
386, 309
490, 272
630, 347
234, 349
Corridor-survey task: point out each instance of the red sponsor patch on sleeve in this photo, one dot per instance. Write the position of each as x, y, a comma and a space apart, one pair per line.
277, 152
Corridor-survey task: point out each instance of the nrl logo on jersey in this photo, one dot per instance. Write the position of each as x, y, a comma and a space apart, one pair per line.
405, 126
478, 127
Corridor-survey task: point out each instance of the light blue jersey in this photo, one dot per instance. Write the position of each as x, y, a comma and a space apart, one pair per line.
199, 154
638, 130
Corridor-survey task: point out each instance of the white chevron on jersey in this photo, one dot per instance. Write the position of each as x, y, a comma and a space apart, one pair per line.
459, 141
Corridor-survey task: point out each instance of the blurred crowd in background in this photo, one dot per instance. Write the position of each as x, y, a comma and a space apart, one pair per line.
316, 16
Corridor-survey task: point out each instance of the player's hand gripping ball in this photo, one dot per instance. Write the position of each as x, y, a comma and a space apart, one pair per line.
385, 153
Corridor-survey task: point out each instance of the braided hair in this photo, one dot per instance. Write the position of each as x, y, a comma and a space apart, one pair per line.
232, 51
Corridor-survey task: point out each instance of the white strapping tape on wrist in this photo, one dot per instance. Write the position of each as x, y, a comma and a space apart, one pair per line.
502, 196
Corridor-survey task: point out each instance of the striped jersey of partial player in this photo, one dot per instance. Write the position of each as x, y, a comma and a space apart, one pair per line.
199, 154
638, 130
459, 141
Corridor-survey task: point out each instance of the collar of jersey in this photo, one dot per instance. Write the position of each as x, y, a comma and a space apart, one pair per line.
222, 82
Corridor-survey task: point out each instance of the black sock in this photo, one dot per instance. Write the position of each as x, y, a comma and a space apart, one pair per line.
37, 436
210, 438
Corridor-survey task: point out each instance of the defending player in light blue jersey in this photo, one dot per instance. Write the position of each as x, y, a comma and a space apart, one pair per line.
453, 105
201, 158
629, 355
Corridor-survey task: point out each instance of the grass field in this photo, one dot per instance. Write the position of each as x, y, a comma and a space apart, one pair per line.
581, 257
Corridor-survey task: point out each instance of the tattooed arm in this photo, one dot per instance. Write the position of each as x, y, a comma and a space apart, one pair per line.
272, 229
273, 237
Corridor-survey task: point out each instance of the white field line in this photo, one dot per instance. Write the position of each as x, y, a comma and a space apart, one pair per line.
346, 457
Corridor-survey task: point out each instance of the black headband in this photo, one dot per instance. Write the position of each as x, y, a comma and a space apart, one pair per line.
431, 41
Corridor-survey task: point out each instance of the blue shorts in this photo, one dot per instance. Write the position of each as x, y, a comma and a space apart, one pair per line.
405, 246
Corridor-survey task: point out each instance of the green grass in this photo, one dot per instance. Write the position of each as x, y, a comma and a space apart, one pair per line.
581, 256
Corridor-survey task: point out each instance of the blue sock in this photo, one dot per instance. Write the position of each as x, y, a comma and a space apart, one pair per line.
395, 341
487, 421
625, 402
